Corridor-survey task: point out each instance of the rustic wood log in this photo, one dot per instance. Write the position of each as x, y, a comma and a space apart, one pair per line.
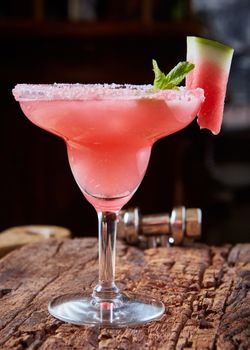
16, 237
205, 290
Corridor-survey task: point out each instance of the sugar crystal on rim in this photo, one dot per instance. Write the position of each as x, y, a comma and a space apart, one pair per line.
78, 91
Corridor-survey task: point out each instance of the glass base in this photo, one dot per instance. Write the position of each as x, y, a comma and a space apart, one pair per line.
122, 311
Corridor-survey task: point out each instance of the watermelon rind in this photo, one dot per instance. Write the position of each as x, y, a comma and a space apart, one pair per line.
212, 43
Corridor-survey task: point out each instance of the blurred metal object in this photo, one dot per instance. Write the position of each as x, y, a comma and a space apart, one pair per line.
149, 231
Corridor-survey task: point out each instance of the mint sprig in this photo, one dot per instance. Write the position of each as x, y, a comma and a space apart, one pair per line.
173, 78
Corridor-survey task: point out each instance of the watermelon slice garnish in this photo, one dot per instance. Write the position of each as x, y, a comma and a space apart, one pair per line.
212, 62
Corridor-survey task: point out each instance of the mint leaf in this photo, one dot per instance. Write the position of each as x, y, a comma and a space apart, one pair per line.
173, 78
159, 81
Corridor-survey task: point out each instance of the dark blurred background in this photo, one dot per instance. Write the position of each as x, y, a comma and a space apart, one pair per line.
90, 41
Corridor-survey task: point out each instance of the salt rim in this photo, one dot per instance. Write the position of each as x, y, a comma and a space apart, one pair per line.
49, 92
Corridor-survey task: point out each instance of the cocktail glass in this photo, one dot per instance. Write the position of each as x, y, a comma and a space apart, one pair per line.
109, 131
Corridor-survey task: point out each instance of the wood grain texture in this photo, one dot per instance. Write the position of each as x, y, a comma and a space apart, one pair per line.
205, 290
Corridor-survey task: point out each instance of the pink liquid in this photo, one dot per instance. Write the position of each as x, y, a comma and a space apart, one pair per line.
109, 138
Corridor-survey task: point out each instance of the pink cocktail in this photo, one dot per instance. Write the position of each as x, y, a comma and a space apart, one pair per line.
109, 131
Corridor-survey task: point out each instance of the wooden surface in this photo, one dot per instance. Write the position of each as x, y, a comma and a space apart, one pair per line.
205, 290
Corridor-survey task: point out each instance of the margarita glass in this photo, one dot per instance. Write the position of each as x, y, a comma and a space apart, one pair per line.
109, 131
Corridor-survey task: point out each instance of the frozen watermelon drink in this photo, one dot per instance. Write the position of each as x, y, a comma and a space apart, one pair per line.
109, 131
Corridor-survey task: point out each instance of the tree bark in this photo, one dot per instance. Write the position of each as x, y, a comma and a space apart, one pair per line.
205, 290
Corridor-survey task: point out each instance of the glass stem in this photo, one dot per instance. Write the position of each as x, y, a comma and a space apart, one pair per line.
107, 228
